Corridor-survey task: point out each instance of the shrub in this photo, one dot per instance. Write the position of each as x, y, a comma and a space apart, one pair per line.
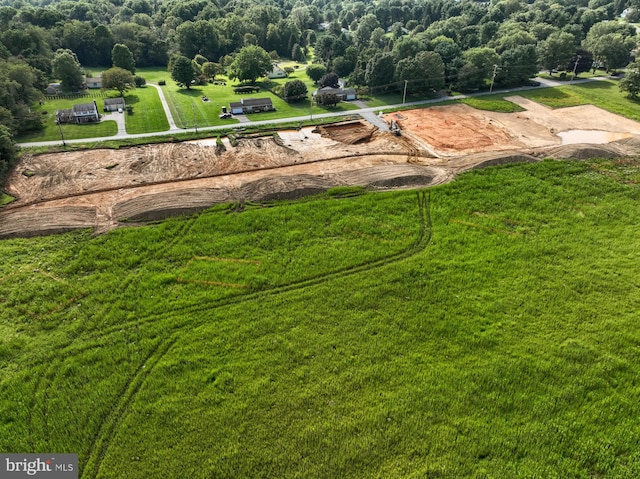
162, 83
139, 81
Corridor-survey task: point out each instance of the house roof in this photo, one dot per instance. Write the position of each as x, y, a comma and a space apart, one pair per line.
84, 108
251, 102
337, 91
114, 101
94, 79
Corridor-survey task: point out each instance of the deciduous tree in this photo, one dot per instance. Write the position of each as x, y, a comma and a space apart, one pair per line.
182, 71
327, 99
556, 50
315, 72
211, 69
477, 66
8, 151
631, 81
330, 80
119, 79
425, 71
294, 90
251, 63
380, 70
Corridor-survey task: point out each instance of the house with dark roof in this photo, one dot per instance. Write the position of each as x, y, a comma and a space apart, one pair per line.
64, 116
80, 113
114, 104
86, 112
53, 89
251, 105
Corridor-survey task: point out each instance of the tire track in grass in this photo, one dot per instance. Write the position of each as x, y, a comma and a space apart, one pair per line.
420, 244
126, 397
51, 372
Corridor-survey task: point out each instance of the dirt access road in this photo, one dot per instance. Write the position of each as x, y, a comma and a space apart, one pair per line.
100, 189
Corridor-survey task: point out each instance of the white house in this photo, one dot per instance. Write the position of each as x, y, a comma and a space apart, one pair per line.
251, 105
277, 72
94, 82
342, 93
114, 104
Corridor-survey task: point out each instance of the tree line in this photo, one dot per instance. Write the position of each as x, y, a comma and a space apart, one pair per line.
383, 45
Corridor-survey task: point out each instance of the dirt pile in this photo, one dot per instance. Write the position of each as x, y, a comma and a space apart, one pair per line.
101, 189
348, 133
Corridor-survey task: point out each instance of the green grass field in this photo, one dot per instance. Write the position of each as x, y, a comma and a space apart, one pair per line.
602, 93
485, 328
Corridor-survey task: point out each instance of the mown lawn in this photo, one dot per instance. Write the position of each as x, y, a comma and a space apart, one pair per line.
492, 103
487, 328
188, 109
148, 113
70, 131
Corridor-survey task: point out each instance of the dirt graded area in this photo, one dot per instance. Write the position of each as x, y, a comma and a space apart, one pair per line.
102, 189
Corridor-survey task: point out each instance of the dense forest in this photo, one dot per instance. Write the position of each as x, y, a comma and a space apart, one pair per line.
377, 44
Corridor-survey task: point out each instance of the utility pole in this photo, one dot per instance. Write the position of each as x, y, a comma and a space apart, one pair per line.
575, 67
404, 95
493, 78
60, 127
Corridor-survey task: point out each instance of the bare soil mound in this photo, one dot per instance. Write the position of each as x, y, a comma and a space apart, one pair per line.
102, 188
631, 145
34, 221
158, 206
506, 159
584, 152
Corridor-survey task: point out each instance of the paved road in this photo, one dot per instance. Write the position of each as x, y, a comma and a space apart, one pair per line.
364, 112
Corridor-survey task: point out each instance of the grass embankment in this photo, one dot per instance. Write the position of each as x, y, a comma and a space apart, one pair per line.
330, 338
